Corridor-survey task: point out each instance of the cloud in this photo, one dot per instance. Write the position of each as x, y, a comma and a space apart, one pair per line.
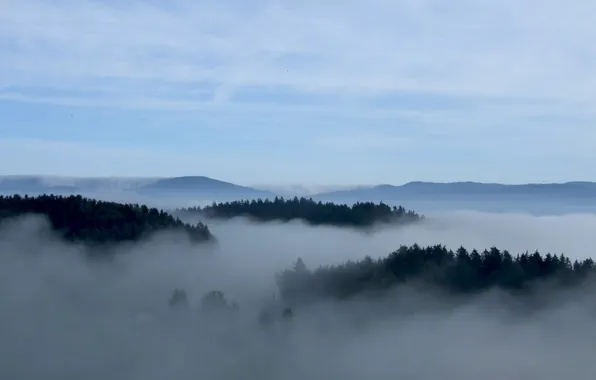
111, 318
442, 81
518, 232
362, 141
520, 49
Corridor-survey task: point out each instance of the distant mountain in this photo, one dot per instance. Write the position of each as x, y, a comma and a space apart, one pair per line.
32, 184
465, 190
180, 188
201, 187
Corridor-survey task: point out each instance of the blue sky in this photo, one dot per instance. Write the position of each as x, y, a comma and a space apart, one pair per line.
300, 92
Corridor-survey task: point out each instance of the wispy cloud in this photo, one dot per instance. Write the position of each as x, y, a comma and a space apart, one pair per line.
363, 141
465, 47
300, 89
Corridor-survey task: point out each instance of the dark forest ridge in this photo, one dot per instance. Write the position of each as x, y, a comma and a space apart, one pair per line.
458, 272
306, 209
80, 219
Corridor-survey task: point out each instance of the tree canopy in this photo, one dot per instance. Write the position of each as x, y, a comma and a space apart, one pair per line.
80, 219
459, 272
361, 214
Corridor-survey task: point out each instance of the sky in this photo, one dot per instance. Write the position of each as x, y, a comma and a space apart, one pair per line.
300, 91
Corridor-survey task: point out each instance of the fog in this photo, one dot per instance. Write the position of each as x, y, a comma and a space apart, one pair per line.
279, 244
63, 316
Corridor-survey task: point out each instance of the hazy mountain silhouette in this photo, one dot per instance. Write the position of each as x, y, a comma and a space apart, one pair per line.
188, 187
202, 187
466, 190
32, 185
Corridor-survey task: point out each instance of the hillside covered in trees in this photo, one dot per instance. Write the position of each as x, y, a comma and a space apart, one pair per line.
362, 214
80, 219
459, 272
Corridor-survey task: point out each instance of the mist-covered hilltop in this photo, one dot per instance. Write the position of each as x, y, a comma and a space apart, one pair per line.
80, 219
361, 214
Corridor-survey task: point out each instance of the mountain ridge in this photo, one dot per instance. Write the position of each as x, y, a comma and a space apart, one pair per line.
420, 189
156, 186
199, 185
210, 188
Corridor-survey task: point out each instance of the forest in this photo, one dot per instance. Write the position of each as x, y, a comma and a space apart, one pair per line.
90, 221
436, 268
361, 214
79, 219
433, 270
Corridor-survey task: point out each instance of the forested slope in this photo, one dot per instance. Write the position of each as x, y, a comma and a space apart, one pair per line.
363, 214
80, 219
436, 267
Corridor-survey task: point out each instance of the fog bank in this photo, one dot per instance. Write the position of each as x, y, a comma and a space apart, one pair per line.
65, 317
279, 244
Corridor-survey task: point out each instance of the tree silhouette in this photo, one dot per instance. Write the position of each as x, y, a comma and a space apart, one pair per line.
361, 214
215, 302
90, 221
178, 300
436, 266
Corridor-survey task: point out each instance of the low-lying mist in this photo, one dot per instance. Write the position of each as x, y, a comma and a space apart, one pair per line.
282, 243
64, 316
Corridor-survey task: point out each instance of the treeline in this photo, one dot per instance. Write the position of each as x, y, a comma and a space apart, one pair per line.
361, 214
80, 219
458, 272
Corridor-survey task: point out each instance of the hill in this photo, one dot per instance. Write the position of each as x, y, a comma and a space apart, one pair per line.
200, 187
312, 212
466, 191
80, 219
114, 188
